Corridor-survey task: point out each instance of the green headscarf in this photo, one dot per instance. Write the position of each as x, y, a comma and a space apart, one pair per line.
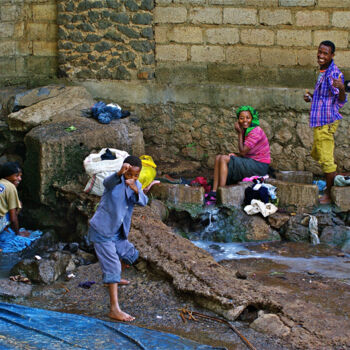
255, 117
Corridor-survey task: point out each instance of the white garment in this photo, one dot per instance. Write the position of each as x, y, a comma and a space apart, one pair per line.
257, 206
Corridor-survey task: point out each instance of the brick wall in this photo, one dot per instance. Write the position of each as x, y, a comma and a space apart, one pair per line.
28, 41
258, 42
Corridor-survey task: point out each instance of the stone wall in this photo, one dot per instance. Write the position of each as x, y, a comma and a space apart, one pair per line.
28, 41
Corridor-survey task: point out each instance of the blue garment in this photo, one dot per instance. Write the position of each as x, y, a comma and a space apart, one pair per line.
115, 209
12, 243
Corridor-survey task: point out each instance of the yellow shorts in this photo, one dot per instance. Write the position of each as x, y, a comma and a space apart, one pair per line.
323, 147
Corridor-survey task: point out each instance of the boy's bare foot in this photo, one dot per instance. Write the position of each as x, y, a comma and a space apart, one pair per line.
325, 199
121, 316
124, 282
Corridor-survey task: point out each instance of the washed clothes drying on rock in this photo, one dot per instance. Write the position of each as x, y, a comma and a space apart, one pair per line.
105, 113
12, 243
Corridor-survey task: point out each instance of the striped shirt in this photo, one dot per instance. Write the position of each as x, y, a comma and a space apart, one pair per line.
258, 144
325, 102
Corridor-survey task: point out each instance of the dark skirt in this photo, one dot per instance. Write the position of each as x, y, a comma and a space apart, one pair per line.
239, 168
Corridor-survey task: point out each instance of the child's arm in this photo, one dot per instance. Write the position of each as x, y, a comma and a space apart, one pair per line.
15, 225
111, 181
141, 198
338, 84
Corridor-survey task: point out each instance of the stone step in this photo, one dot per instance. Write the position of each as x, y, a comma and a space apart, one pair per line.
176, 193
232, 195
301, 177
341, 197
296, 197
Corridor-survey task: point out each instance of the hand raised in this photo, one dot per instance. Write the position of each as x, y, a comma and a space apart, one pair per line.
125, 167
338, 83
238, 128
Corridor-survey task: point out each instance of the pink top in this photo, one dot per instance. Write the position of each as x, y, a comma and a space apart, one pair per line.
258, 144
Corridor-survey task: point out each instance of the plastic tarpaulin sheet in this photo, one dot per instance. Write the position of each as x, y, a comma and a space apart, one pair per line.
23, 327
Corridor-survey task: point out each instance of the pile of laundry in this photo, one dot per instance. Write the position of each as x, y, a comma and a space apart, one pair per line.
260, 197
12, 243
105, 113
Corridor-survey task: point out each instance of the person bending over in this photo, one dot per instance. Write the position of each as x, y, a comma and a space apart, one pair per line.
254, 153
10, 205
110, 225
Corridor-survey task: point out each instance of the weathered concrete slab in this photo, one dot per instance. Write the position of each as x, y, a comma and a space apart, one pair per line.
341, 197
232, 195
294, 196
55, 155
67, 104
301, 177
178, 193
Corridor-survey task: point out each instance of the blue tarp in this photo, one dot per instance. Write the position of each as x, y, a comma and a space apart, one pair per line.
23, 327
12, 243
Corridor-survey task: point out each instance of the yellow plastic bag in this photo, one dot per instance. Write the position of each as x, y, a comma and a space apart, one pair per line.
148, 171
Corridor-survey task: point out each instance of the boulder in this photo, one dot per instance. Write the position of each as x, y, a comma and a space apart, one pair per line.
160, 209
11, 289
232, 195
55, 155
301, 177
277, 220
335, 235
296, 231
341, 197
66, 103
296, 197
175, 193
270, 324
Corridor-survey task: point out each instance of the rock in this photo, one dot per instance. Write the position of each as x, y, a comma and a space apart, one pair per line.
56, 156
294, 196
160, 209
296, 232
301, 177
270, 324
335, 235
67, 104
45, 270
258, 229
88, 258
341, 197
175, 193
14, 289
277, 220
232, 195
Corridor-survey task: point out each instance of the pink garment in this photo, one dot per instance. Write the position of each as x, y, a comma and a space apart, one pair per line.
250, 179
154, 182
258, 144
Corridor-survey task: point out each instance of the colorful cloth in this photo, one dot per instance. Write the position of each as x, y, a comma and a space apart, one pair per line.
258, 144
323, 146
255, 117
325, 101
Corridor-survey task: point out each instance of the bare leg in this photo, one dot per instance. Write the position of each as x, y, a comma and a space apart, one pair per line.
115, 312
216, 172
223, 166
326, 198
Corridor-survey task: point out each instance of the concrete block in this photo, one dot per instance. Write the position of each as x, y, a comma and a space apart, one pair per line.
275, 17
278, 57
24, 48
207, 54
294, 37
306, 57
242, 55
160, 34
339, 37
45, 12
7, 66
341, 197
232, 195
7, 48
294, 3
170, 14
257, 37
341, 19
8, 13
222, 35
178, 193
186, 35
295, 196
37, 31
240, 16
209, 15
333, 3
301, 177
312, 18
6, 30
343, 59
171, 53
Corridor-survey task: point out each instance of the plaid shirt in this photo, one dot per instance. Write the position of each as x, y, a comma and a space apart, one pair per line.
325, 104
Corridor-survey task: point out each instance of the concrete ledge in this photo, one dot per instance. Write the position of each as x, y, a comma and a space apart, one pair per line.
301, 177
341, 197
178, 193
294, 196
232, 195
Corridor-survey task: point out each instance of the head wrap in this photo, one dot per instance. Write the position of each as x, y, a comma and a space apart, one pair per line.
255, 117
8, 169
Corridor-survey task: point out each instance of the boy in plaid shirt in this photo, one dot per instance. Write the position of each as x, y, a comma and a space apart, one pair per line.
328, 97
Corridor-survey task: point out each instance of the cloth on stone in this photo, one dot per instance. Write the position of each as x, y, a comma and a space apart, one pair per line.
341, 180
257, 206
12, 243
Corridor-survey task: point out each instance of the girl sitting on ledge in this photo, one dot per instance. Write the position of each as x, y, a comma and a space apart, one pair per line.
254, 153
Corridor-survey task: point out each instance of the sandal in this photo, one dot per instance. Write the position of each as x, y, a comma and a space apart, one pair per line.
210, 200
